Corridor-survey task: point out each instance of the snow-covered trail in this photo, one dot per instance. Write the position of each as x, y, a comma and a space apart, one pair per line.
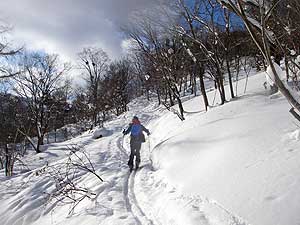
131, 202
141, 197
24, 196
147, 114
153, 202
236, 165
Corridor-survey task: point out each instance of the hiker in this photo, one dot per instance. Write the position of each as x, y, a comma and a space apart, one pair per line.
136, 139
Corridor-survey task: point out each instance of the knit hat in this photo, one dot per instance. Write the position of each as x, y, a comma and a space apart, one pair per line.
135, 120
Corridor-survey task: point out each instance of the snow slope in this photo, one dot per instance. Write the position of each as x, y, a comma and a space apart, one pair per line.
236, 164
243, 155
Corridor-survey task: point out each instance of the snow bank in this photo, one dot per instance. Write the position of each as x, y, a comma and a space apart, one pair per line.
243, 155
168, 205
101, 132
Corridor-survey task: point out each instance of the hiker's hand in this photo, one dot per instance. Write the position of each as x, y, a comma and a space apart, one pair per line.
124, 131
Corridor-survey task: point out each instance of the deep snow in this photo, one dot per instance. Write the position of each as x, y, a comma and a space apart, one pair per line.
236, 164
243, 155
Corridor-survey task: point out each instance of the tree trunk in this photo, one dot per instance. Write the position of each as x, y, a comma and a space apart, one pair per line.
229, 78
220, 83
220, 89
158, 97
94, 118
1, 163
227, 44
180, 85
147, 94
176, 94
181, 110
7, 160
185, 85
223, 90
39, 143
194, 85
203, 91
171, 98
286, 63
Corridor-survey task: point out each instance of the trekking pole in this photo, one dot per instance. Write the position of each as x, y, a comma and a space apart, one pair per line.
123, 141
123, 138
149, 146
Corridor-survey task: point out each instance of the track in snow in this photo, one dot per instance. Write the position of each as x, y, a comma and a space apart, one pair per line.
131, 202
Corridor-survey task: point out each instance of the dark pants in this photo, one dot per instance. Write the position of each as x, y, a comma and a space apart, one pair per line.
135, 148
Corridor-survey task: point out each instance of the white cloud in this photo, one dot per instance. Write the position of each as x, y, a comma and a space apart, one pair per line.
65, 27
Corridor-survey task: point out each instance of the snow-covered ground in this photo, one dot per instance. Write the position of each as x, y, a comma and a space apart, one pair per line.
237, 164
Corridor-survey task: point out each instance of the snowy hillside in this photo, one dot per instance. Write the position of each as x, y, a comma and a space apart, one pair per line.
237, 164
243, 155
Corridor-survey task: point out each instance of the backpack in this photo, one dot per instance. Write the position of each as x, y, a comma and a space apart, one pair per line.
136, 132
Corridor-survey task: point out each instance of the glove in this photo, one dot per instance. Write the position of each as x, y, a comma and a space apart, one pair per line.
124, 131
148, 134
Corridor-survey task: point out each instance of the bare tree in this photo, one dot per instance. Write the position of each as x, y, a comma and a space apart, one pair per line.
94, 63
266, 28
165, 61
37, 84
202, 28
12, 111
7, 70
64, 175
117, 85
80, 106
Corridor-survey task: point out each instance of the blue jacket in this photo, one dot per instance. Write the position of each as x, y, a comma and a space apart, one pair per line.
136, 131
